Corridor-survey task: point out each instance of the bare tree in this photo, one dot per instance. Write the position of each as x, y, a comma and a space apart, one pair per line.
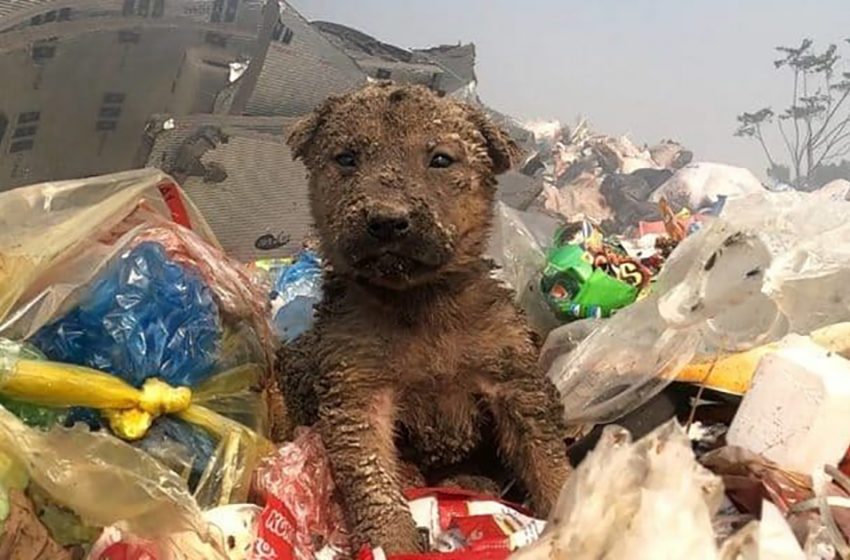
815, 128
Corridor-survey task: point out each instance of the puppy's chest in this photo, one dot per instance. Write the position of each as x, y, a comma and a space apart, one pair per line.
439, 398
442, 422
442, 357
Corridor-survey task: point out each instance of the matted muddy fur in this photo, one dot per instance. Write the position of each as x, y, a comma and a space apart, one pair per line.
417, 354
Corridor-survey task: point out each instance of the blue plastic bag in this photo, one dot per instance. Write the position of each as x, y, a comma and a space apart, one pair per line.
178, 445
145, 316
298, 289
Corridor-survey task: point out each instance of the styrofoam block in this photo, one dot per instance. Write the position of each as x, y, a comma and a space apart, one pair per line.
797, 412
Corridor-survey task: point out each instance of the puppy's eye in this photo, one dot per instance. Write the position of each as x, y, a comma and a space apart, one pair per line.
441, 161
346, 159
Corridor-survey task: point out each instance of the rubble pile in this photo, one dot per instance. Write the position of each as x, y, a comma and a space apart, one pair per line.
615, 184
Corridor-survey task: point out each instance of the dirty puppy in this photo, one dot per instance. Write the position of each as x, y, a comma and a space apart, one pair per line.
413, 337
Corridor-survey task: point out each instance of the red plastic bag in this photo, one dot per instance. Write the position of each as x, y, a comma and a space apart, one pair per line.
301, 516
276, 532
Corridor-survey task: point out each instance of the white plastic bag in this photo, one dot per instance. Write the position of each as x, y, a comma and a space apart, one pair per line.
774, 263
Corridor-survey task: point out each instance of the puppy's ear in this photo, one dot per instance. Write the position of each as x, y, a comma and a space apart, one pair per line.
304, 132
501, 148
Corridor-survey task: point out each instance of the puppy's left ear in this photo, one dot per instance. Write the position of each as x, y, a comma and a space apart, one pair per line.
503, 151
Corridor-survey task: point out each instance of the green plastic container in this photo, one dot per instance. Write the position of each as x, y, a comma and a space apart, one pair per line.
574, 289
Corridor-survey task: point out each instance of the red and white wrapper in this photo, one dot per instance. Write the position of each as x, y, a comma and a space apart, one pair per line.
465, 525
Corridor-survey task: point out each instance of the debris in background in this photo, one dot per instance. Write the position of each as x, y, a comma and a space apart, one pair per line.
774, 263
699, 185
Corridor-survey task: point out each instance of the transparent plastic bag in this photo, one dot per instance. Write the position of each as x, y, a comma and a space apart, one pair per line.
518, 247
773, 263
74, 235
298, 289
101, 478
646, 499
54, 237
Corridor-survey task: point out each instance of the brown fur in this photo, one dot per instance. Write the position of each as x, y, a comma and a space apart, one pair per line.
417, 354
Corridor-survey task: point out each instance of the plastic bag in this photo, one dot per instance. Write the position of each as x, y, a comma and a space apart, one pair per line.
131, 289
698, 185
298, 489
145, 316
226, 465
649, 499
237, 290
518, 248
101, 478
772, 264
54, 237
298, 289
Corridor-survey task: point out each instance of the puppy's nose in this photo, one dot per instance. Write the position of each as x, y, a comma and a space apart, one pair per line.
388, 224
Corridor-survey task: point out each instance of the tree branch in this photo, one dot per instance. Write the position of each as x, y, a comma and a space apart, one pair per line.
839, 128
760, 138
807, 120
831, 114
790, 149
828, 150
796, 154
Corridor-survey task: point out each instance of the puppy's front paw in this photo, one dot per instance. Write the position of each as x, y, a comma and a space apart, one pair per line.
399, 536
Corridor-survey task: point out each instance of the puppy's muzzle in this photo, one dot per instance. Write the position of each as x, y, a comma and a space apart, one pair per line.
388, 223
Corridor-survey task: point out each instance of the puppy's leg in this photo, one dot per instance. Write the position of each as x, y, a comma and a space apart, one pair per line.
529, 423
357, 429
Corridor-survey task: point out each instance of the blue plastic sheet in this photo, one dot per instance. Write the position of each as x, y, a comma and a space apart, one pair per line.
298, 289
145, 316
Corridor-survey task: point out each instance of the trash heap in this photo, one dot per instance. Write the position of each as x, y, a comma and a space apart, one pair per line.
135, 373
703, 360
745, 335
614, 184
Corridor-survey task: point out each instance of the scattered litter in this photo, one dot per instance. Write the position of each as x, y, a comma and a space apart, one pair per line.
684, 298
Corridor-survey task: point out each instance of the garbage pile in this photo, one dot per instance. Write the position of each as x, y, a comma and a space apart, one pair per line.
748, 324
135, 369
137, 408
742, 313
615, 184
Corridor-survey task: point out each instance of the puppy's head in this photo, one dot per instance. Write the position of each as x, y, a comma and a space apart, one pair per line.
402, 182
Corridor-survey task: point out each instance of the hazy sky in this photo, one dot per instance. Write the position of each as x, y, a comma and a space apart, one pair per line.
651, 69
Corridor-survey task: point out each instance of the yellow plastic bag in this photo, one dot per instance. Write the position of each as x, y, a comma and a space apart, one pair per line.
131, 411
733, 373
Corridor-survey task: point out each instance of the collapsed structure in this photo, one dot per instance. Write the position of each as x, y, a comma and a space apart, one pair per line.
106, 85
94, 82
